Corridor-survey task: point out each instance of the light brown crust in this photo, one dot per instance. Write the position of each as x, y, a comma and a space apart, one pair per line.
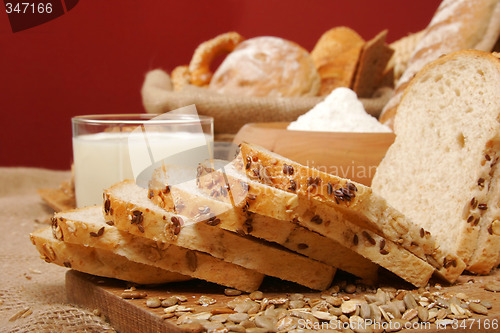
335, 56
206, 52
98, 261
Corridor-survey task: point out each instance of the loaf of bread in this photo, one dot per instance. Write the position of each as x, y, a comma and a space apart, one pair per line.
456, 25
442, 169
267, 66
336, 56
125, 200
186, 198
97, 261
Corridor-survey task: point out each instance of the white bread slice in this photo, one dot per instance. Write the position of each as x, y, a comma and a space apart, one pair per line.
131, 210
185, 198
251, 195
97, 261
356, 202
87, 226
442, 169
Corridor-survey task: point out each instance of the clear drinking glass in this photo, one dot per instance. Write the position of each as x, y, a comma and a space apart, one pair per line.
110, 148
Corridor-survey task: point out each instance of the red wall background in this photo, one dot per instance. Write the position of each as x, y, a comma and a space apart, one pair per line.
93, 59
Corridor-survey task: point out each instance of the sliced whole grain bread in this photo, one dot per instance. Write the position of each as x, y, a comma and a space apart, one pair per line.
87, 226
185, 198
355, 202
97, 261
442, 169
254, 196
131, 210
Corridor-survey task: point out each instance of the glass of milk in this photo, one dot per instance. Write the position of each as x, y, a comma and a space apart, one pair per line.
110, 148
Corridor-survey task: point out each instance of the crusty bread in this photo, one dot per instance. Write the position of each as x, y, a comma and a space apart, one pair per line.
442, 169
335, 56
186, 198
373, 60
130, 209
87, 227
267, 66
257, 197
356, 201
456, 25
97, 261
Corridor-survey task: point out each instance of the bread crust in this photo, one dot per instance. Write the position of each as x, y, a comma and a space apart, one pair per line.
97, 261
267, 66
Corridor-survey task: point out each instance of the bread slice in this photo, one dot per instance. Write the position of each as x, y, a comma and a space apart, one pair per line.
355, 202
179, 193
87, 227
254, 196
97, 261
131, 210
442, 169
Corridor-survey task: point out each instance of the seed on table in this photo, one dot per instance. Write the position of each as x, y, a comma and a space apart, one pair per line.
238, 317
349, 307
335, 311
350, 288
153, 302
232, 292
478, 308
423, 313
486, 304
493, 287
267, 322
172, 300
296, 304
256, 295
410, 314
365, 311
410, 301
335, 301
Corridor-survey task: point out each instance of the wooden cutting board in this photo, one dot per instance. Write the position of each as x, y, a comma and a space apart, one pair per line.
348, 155
132, 315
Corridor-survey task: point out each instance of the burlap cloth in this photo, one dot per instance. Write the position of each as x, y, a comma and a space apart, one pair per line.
30, 285
232, 112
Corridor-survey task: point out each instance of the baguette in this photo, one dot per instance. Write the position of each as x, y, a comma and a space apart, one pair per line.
125, 201
97, 261
87, 227
254, 196
456, 25
186, 198
356, 202
449, 120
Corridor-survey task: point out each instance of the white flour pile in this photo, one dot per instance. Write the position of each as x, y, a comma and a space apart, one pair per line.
340, 111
